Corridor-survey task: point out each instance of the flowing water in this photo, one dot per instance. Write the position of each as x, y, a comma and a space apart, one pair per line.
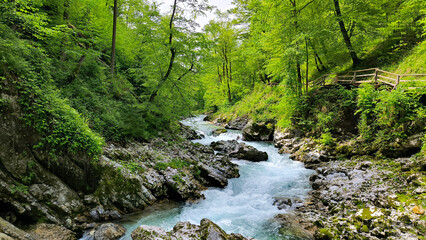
246, 205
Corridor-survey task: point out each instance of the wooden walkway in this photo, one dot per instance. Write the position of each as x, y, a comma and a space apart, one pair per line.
375, 76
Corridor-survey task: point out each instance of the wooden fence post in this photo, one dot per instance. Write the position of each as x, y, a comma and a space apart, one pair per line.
398, 79
375, 76
354, 78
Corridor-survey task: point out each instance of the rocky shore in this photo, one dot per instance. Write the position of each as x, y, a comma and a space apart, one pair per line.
358, 196
357, 192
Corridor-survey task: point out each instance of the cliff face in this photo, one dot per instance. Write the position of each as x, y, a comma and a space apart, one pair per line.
33, 184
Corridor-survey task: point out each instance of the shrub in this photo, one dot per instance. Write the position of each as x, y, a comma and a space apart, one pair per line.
387, 115
327, 139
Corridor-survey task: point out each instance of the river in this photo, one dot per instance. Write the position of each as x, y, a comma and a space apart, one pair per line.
246, 205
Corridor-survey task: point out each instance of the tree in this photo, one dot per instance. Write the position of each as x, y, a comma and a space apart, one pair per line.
172, 55
114, 35
355, 59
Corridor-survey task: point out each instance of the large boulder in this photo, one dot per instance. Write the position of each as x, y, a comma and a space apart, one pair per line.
225, 146
249, 153
189, 133
258, 131
291, 225
219, 131
238, 123
284, 137
109, 231
106, 231
8, 231
137, 175
238, 150
404, 148
185, 230
52, 232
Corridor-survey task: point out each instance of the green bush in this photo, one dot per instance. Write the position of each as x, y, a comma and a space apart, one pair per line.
387, 115
366, 101
327, 139
61, 127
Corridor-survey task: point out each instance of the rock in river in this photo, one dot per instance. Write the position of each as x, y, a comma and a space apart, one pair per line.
259, 131
106, 231
239, 150
237, 123
219, 131
185, 230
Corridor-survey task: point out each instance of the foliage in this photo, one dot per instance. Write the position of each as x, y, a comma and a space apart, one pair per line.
57, 54
328, 110
388, 115
257, 62
327, 139
264, 103
366, 103
19, 187
61, 127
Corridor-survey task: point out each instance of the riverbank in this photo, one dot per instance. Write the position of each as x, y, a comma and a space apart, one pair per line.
355, 194
62, 197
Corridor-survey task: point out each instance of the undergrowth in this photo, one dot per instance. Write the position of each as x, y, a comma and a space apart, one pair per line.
61, 128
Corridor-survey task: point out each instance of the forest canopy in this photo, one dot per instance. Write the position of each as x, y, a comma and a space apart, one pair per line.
121, 69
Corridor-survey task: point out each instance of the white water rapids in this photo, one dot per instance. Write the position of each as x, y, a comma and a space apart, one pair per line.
246, 205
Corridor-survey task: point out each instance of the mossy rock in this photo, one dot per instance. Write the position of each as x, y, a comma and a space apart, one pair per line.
366, 214
364, 228
405, 219
325, 234
219, 131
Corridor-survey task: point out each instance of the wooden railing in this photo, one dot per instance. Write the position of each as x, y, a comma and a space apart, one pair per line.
373, 75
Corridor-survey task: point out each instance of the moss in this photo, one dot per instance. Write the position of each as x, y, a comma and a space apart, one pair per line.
325, 234
175, 163
365, 229
178, 179
358, 225
365, 214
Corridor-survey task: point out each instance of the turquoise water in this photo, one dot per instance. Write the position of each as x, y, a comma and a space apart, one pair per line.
246, 205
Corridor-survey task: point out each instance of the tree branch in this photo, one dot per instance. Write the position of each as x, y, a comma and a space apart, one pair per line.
298, 11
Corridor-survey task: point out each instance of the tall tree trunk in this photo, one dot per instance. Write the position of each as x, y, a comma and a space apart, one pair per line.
223, 70
299, 78
172, 56
218, 73
66, 8
296, 28
352, 29
229, 92
307, 66
228, 79
355, 59
230, 70
114, 36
